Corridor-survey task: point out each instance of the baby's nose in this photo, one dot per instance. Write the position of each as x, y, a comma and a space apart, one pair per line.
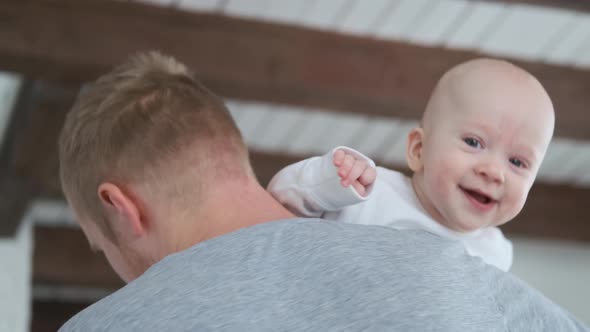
491, 171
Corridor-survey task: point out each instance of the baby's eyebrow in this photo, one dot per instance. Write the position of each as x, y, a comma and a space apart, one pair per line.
528, 153
480, 127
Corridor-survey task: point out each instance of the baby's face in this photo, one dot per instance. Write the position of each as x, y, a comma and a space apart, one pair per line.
481, 157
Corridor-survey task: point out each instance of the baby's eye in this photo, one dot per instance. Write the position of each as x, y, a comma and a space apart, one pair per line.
517, 162
473, 142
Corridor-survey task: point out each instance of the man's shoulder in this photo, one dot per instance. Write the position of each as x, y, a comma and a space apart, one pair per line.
256, 267
316, 232
98, 316
325, 233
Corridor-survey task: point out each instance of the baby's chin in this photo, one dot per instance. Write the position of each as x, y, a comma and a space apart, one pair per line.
466, 226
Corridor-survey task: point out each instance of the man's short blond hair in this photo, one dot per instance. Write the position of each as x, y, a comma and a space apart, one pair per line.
151, 124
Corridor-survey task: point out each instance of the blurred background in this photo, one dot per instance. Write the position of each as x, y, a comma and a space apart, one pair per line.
300, 77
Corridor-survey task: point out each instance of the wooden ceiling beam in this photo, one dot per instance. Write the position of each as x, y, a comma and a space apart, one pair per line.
69, 40
576, 5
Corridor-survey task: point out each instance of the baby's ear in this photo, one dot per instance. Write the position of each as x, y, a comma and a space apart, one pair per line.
414, 149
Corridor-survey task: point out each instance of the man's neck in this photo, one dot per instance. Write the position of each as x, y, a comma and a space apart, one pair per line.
228, 208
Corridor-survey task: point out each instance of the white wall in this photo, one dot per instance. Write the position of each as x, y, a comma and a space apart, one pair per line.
560, 270
15, 280
15, 253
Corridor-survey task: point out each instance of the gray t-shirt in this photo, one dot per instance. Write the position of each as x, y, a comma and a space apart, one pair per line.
317, 275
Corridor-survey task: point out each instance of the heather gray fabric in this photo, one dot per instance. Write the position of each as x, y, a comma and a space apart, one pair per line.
314, 275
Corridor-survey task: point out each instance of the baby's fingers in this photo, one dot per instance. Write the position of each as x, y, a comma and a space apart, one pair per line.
360, 189
356, 171
368, 176
346, 166
338, 158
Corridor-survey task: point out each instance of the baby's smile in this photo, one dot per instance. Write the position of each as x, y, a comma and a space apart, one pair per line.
479, 199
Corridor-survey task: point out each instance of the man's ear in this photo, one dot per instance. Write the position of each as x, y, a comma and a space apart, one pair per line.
414, 149
122, 209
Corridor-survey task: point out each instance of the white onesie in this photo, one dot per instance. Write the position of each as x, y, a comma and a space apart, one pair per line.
312, 188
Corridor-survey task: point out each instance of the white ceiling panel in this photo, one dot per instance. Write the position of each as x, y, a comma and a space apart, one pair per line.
395, 151
199, 5
582, 57
52, 213
314, 129
375, 136
247, 8
284, 121
441, 19
299, 131
286, 11
559, 154
578, 165
402, 18
323, 14
363, 16
256, 136
567, 161
234, 107
250, 119
570, 44
518, 31
583, 180
342, 130
526, 31
477, 23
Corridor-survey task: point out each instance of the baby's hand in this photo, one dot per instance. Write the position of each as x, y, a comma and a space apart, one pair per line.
353, 171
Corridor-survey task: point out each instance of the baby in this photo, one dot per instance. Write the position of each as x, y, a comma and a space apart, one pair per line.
474, 158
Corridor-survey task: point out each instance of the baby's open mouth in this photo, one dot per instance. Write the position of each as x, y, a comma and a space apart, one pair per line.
478, 196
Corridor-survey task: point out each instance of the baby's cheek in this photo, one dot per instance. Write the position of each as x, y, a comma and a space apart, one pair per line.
517, 199
523, 193
438, 180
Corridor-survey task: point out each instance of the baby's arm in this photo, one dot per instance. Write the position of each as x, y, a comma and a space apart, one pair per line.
316, 185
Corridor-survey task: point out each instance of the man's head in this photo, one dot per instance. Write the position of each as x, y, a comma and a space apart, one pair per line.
145, 144
482, 138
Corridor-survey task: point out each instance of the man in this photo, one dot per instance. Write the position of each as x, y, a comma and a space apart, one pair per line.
159, 178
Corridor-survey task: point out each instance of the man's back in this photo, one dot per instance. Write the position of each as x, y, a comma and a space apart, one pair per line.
312, 275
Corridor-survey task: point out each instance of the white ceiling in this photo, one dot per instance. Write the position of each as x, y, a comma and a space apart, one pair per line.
514, 30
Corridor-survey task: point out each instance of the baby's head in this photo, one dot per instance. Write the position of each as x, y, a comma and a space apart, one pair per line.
482, 138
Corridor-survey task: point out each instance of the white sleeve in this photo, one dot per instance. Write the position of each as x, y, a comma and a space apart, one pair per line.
312, 186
